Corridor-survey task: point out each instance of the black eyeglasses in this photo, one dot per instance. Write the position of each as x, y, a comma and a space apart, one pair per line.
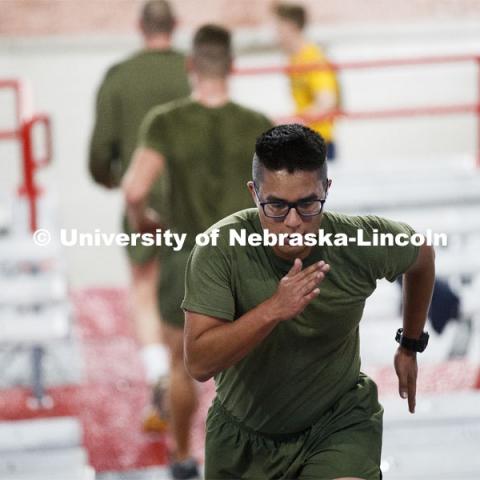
280, 209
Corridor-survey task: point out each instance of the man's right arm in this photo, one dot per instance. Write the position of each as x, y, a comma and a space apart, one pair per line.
213, 345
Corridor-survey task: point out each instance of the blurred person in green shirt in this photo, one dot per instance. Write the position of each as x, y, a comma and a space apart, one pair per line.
152, 76
202, 147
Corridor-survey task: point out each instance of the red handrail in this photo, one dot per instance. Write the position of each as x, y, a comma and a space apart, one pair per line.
386, 113
23, 133
359, 65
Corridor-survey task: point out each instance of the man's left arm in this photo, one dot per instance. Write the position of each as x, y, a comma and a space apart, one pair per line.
417, 293
323, 85
104, 151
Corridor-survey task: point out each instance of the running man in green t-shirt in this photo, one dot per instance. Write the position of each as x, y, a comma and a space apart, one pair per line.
278, 326
203, 147
153, 76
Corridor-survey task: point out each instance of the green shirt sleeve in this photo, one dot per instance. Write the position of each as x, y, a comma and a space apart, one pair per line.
105, 139
390, 261
208, 288
153, 132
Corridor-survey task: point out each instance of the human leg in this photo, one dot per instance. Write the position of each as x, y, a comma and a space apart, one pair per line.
146, 318
349, 445
183, 396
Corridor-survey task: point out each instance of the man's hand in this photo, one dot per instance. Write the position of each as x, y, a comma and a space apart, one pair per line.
297, 289
148, 222
406, 367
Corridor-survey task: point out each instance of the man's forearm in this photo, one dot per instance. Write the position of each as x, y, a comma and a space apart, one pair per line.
223, 346
417, 294
135, 214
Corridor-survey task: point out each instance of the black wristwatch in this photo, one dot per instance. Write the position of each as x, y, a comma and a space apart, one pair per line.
412, 343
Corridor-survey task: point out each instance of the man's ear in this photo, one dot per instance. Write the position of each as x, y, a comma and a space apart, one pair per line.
329, 184
251, 188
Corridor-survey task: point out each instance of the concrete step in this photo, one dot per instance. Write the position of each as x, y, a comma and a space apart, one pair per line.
35, 327
42, 461
33, 289
79, 473
39, 434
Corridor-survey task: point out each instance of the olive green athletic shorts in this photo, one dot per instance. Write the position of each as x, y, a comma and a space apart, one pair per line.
345, 442
171, 285
139, 254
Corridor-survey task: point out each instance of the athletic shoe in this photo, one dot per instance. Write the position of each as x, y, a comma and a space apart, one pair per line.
153, 423
186, 469
156, 419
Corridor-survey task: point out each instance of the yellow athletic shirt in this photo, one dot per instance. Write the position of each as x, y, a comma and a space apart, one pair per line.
305, 86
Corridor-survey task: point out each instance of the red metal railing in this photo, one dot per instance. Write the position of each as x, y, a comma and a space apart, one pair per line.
434, 110
23, 132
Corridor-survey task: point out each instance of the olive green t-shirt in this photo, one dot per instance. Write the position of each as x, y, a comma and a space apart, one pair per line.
129, 90
208, 153
306, 364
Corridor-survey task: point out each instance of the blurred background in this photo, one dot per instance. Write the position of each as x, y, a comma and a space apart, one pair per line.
72, 385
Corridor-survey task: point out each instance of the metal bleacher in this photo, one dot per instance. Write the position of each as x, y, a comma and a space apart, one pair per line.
442, 440
35, 324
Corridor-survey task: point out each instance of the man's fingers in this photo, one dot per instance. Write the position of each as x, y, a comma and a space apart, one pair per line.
309, 287
314, 293
402, 384
311, 269
311, 272
412, 391
296, 268
325, 268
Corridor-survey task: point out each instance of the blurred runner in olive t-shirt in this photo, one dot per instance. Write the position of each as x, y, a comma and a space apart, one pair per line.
153, 76
203, 146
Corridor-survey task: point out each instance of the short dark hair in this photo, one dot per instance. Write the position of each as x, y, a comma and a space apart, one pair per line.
289, 147
292, 13
212, 51
157, 17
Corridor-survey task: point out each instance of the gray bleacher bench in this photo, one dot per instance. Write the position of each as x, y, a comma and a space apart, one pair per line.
48, 448
370, 190
28, 328
36, 289
34, 330
22, 249
34, 304
42, 433
76, 473
42, 461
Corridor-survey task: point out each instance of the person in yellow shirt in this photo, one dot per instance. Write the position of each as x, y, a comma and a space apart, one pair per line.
314, 92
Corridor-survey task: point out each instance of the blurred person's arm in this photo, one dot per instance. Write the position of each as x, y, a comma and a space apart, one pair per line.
323, 85
104, 155
146, 166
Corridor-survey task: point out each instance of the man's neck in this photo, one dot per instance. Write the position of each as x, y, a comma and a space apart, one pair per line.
297, 45
158, 42
211, 92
